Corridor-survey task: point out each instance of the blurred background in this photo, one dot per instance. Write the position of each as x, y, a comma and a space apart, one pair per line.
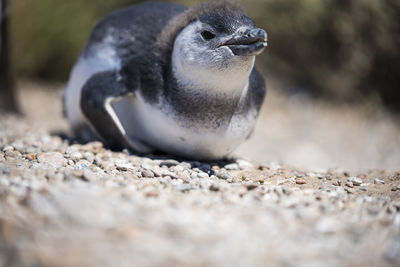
332, 68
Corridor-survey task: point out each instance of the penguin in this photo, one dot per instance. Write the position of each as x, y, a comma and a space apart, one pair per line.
161, 76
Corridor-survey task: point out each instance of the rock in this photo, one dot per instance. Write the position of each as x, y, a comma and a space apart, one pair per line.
178, 168
97, 161
76, 156
8, 149
149, 164
251, 186
300, 181
349, 184
379, 181
362, 188
124, 166
355, 180
232, 166
202, 175
157, 171
169, 163
214, 188
337, 183
82, 164
224, 175
52, 159
165, 173
185, 165
349, 190
184, 175
244, 165
147, 173
30, 156
108, 165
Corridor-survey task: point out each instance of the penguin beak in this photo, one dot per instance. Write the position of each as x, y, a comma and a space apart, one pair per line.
249, 42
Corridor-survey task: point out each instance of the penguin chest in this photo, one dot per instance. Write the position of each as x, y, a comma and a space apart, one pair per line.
157, 126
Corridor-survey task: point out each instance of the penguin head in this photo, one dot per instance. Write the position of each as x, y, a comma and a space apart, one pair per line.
219, 41
213, 44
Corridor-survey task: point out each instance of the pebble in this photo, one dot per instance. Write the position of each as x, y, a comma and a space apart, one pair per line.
30, 156
224, 175
52, 159
76, 156
147, 173
244, 165
349, 184
202, 175
123, 166
395, 188
178, 168
8, 149
169, 163
82, 164
214, 188
185, 165
165, 173
97, 161
355, 180
337, 183
300, 181
232, 167
149, 164
108, 165
349, 190
379, 181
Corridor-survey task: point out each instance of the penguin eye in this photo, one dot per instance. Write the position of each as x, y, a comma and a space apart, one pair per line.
207, 35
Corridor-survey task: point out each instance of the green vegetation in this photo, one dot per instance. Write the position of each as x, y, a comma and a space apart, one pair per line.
338, 49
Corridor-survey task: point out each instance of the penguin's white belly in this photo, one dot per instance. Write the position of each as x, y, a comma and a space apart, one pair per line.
158, 128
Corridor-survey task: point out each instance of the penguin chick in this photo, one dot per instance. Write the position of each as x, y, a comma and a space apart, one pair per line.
160, 76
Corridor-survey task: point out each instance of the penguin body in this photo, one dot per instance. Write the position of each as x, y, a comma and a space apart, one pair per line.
159, 76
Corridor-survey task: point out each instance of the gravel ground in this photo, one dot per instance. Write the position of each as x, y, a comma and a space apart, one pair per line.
67, 204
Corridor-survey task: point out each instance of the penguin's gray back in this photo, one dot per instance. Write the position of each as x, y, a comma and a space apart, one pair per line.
124, 35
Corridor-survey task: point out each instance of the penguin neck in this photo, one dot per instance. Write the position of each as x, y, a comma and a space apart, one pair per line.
225, 83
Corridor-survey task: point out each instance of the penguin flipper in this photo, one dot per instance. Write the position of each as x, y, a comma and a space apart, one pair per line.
98, 95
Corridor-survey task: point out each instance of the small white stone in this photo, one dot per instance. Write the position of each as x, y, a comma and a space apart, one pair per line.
232, 167
76, 156
52, 159
149, 164
8, 149
244, 165
123, 165
379, 181
202, 175
355, 180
